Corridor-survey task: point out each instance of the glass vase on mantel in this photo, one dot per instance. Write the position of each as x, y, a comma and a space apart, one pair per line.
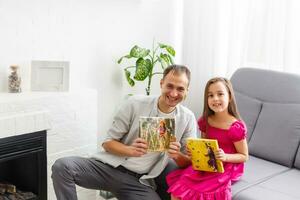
14, 80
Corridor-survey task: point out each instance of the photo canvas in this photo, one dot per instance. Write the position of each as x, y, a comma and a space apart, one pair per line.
157, 131
203, 158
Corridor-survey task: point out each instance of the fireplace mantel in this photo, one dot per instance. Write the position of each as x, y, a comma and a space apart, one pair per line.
21, 122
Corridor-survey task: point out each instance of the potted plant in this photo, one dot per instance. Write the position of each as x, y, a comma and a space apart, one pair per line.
144, 62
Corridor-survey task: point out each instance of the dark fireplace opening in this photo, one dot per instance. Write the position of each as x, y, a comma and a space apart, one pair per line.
23, 165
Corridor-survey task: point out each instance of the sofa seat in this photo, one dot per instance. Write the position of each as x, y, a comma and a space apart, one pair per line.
260, 193
256, 171
281, 186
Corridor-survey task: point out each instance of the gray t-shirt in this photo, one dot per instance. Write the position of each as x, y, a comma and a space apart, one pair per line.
143, 164
125, 128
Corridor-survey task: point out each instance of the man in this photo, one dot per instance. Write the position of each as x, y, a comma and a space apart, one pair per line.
125, 168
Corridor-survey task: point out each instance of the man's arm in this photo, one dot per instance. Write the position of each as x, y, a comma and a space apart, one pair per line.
136, 149
119, 129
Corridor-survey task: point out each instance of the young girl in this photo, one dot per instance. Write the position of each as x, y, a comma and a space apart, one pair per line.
221, 121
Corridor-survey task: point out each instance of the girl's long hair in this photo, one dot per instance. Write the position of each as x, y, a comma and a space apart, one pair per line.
232, 107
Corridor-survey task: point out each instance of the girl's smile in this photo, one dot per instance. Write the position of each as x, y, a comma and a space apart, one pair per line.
218, 97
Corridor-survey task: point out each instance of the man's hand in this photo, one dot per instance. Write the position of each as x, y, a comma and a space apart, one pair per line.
174, 150
138, 148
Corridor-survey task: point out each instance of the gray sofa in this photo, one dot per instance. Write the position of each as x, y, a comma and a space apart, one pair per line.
269, 103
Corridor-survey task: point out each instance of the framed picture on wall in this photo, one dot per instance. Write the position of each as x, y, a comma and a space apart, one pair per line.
49, 75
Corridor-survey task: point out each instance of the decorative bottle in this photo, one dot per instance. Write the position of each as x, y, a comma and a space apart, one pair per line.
14, 80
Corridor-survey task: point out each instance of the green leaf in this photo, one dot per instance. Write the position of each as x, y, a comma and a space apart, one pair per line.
165, 57
143, 68
138, 52
171, 60
158, 58
164, 61
162, 64
127, 56
128, 78
170, 50
162, 46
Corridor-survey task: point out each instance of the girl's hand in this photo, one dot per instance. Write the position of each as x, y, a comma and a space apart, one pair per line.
182, 160
188, 152
220, 155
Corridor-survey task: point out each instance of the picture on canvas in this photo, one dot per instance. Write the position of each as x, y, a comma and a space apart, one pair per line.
203, 158
157, 131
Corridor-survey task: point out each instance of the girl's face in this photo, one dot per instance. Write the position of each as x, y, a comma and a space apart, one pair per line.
218, 97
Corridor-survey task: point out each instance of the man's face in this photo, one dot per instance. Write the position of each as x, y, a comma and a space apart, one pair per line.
174, 88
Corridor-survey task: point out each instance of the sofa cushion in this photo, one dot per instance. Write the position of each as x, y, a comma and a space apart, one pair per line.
267, 85
282, 186
249, 109
297, 160
256, 171
239, 186
261, 193
277, 133
287, 182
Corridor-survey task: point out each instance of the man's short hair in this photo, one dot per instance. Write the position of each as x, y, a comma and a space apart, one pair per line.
178, 69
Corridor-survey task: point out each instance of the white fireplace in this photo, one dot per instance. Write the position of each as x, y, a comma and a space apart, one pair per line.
70, 119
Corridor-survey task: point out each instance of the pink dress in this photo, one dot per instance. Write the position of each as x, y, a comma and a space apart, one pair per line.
189, 184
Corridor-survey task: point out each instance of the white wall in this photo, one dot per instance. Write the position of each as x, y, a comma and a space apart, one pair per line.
221, 36
211, 37
197, 48
91, 34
